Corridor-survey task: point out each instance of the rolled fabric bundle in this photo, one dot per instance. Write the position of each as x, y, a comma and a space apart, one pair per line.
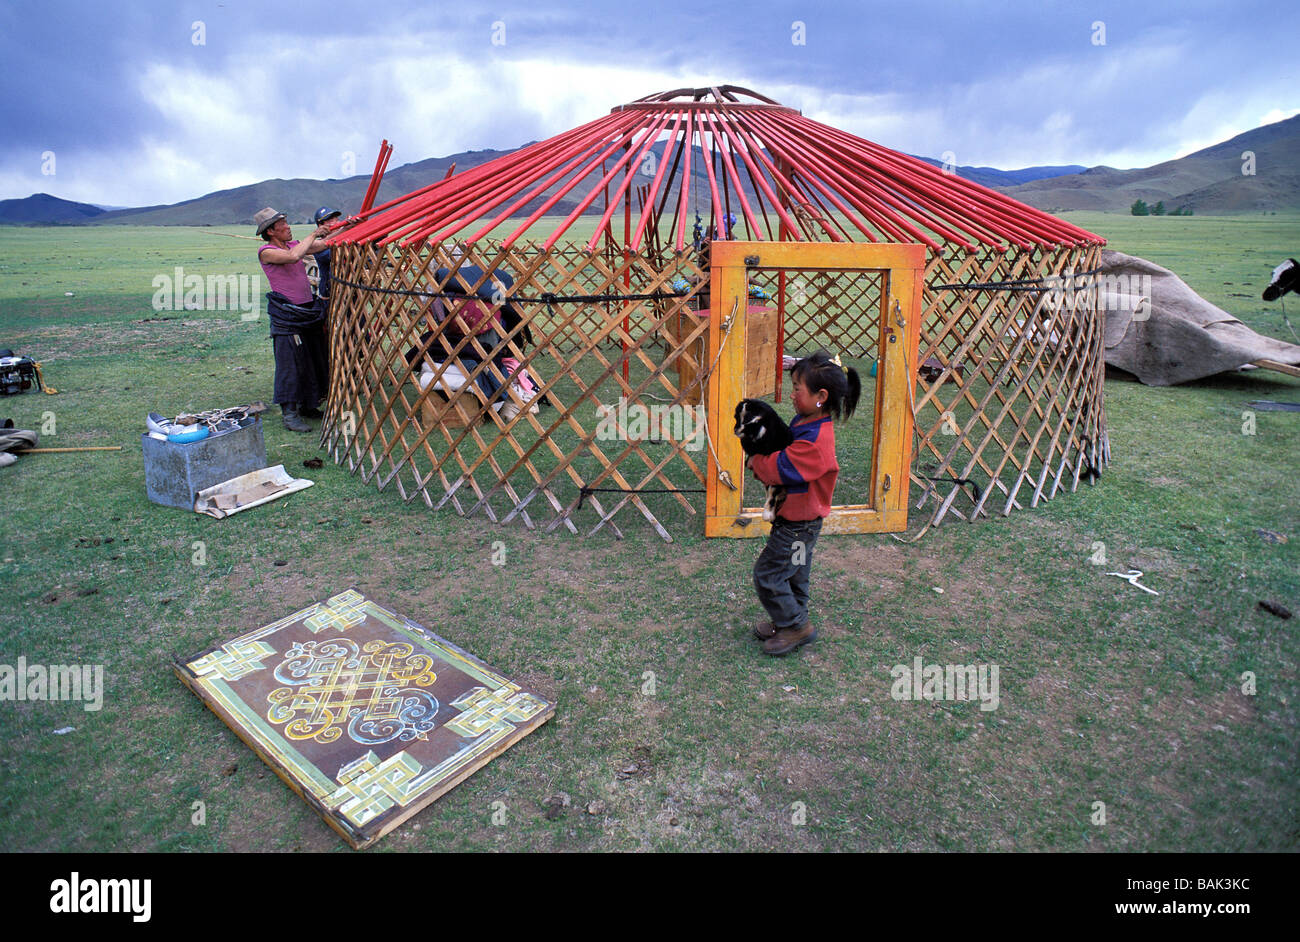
12, 439
451, 379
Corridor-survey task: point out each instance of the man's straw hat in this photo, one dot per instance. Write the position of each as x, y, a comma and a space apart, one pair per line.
266, 218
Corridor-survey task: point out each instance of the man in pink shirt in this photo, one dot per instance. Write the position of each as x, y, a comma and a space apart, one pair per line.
297, 320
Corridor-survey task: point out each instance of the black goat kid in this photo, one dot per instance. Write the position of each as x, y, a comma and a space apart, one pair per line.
762, 432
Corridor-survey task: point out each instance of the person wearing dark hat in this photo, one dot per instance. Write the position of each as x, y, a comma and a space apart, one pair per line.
324, 215
297, 320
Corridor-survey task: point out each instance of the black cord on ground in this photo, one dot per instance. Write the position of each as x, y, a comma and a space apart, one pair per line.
584, 491
976, 493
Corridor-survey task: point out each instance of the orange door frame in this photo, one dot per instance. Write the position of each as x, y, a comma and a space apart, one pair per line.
902, 266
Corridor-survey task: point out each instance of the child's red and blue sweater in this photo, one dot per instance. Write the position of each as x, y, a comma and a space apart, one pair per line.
807, 468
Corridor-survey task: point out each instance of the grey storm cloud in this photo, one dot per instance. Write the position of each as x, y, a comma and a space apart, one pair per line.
138, 113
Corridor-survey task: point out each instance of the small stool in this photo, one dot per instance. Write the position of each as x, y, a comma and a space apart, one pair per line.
438, 410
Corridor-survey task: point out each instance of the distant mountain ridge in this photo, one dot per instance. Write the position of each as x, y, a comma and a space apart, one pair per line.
1256, 171
1208, 181
297, 198
42, 209
992, 177
300, 198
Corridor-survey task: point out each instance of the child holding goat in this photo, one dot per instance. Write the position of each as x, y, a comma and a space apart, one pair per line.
824, 390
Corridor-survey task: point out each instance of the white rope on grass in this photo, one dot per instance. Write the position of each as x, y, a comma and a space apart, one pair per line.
911, 403
724, 476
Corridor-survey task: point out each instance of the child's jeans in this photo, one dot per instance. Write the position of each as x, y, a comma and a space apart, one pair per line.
782, 569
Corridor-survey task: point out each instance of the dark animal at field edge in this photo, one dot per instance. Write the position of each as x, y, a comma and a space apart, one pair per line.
1286, 277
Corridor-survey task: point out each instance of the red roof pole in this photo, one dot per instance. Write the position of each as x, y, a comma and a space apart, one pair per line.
583, 150
627, 258
806, 165
752, 146
780, 316
623, 166
381, 164
653, 191
896, 230
469, 197
708, 169
729, 173
684, 193
591, 197
608, 230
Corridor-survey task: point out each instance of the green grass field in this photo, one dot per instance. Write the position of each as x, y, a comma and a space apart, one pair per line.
1107, 694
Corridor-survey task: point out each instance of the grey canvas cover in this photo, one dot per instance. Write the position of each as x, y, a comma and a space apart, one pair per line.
1163, 332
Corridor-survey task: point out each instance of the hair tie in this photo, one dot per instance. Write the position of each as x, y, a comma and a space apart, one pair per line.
836, 360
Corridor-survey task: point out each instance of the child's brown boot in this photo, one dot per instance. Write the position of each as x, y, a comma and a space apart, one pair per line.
789, 639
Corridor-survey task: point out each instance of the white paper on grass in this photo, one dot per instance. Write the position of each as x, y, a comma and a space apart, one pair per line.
248, 490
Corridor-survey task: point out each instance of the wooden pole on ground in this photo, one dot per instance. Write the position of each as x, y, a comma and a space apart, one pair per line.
46, 451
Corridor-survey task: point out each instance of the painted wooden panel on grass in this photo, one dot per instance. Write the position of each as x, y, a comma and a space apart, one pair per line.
901, 267
763, 324
367, 715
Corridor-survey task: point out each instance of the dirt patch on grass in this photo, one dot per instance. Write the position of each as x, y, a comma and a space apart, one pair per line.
860, 556
287, 584
805, 770
61, 343
690, 564
543, 684
248, 823
1165, 481
1183, 710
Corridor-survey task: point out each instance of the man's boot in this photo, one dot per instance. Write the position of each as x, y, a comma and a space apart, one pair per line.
293, 421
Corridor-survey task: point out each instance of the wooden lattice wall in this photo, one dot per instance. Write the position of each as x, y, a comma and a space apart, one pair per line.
1014, 414
1024, 416
385, 427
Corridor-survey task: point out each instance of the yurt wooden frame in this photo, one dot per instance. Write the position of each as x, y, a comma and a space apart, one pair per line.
1007, 409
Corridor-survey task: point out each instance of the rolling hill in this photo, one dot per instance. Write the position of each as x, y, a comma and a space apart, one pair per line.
299, 198
44, 209
1208, 181
992, 177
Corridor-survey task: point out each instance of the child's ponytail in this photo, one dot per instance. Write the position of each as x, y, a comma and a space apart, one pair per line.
854, 391
842, 384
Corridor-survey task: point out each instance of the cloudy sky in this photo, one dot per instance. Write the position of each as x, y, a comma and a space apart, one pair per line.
134, 103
